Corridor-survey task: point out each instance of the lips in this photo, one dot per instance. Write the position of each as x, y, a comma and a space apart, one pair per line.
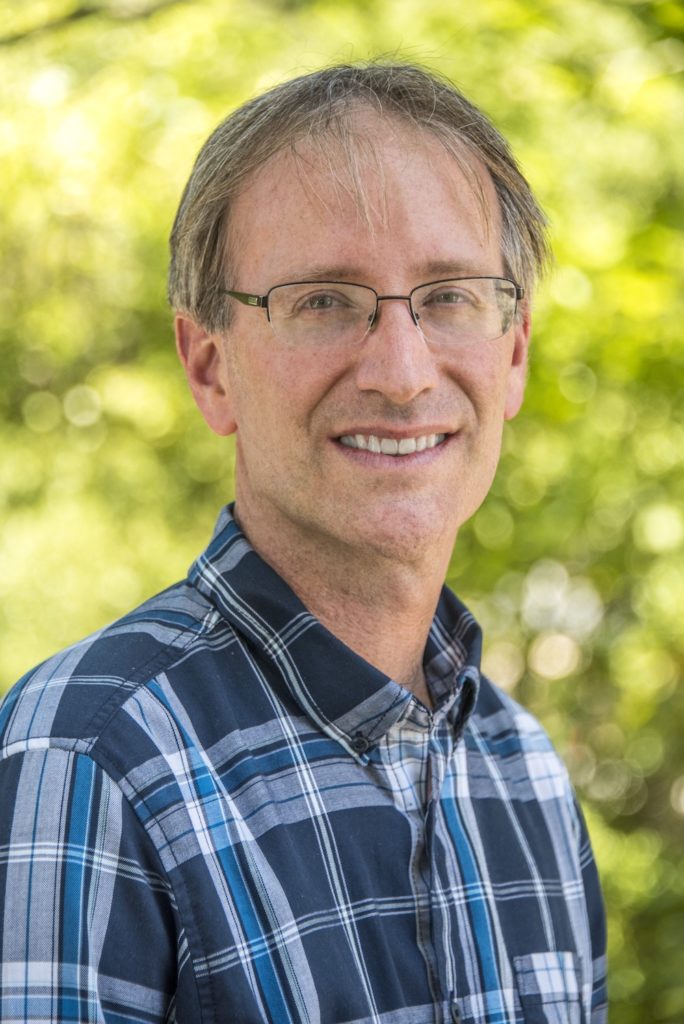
392, 445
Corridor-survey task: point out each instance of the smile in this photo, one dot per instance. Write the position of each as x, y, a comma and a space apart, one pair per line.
390, 445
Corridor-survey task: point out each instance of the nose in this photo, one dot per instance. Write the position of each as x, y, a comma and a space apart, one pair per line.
394, 359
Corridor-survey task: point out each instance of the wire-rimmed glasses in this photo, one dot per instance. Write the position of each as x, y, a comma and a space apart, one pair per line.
454, 311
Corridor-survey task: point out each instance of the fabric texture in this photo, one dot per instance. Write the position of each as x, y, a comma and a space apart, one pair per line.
214, 811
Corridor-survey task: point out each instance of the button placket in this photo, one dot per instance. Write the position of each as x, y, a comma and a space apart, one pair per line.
360, 743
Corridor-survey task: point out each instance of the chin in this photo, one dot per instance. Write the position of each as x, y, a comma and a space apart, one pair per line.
406, 530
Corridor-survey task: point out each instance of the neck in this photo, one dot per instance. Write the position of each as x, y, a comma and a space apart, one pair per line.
380, 607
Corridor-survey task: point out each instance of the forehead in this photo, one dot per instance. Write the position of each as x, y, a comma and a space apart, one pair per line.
374, 180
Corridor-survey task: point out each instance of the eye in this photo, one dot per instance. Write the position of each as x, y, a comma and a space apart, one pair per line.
321, 302
450, 296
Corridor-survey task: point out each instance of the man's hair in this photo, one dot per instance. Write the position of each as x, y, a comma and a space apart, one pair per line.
319, 108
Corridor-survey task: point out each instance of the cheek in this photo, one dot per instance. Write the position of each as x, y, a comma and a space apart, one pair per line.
289, 389
271, 408
483, 376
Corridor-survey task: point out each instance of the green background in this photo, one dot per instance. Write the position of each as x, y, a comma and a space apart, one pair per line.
110, 482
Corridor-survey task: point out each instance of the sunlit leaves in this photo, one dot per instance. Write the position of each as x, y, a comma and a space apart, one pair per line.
109, 481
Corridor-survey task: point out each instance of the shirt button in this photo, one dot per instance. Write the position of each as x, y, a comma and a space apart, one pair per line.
360, 743
456, 1014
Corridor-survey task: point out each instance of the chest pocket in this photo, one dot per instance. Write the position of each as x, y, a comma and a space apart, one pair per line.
550, 988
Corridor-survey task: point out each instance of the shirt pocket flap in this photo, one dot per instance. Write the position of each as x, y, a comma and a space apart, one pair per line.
550, 987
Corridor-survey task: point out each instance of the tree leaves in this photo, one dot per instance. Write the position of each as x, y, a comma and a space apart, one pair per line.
109, 481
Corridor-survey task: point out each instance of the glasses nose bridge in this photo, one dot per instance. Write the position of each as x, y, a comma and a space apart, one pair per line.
392, 298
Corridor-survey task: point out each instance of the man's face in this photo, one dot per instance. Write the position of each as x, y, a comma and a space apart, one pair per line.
289, 408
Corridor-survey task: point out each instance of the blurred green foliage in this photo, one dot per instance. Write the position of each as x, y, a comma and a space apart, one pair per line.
110, 482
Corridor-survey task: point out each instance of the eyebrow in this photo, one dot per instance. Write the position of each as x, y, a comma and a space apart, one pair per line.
456, 268
432, 270
322, 272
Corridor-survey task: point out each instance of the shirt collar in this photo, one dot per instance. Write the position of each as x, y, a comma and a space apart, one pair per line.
347, 697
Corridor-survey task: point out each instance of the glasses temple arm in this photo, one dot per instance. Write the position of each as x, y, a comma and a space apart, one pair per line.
247, 298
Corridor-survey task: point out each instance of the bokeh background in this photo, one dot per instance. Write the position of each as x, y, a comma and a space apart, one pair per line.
110, 482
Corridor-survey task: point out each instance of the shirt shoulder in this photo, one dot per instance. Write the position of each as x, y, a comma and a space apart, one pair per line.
511, 745
68, 699
496, 715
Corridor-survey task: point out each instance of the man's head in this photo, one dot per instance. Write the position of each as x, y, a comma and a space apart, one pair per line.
386, 179
320, 109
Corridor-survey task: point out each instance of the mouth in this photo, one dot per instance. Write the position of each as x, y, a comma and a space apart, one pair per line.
392, 445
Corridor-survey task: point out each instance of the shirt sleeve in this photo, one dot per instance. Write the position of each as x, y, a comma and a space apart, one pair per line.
87, 924
597, 923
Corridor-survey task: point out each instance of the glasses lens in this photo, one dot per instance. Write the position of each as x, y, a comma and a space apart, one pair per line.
321, 313
465, 310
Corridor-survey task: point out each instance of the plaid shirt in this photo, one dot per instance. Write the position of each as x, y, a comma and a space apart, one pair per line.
214, 811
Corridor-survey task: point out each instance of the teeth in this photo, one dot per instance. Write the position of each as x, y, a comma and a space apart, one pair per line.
407, 445
389, 445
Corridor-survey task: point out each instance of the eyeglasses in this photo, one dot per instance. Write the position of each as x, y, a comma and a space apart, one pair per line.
453, 312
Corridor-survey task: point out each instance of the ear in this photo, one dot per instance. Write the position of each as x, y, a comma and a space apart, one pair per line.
517, 374
204, 361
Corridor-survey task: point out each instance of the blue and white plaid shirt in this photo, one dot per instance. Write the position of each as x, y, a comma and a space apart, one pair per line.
214, 811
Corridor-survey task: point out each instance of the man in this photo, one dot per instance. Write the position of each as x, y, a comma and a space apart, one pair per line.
281, 790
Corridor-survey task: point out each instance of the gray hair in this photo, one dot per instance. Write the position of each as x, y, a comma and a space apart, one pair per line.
318, 107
